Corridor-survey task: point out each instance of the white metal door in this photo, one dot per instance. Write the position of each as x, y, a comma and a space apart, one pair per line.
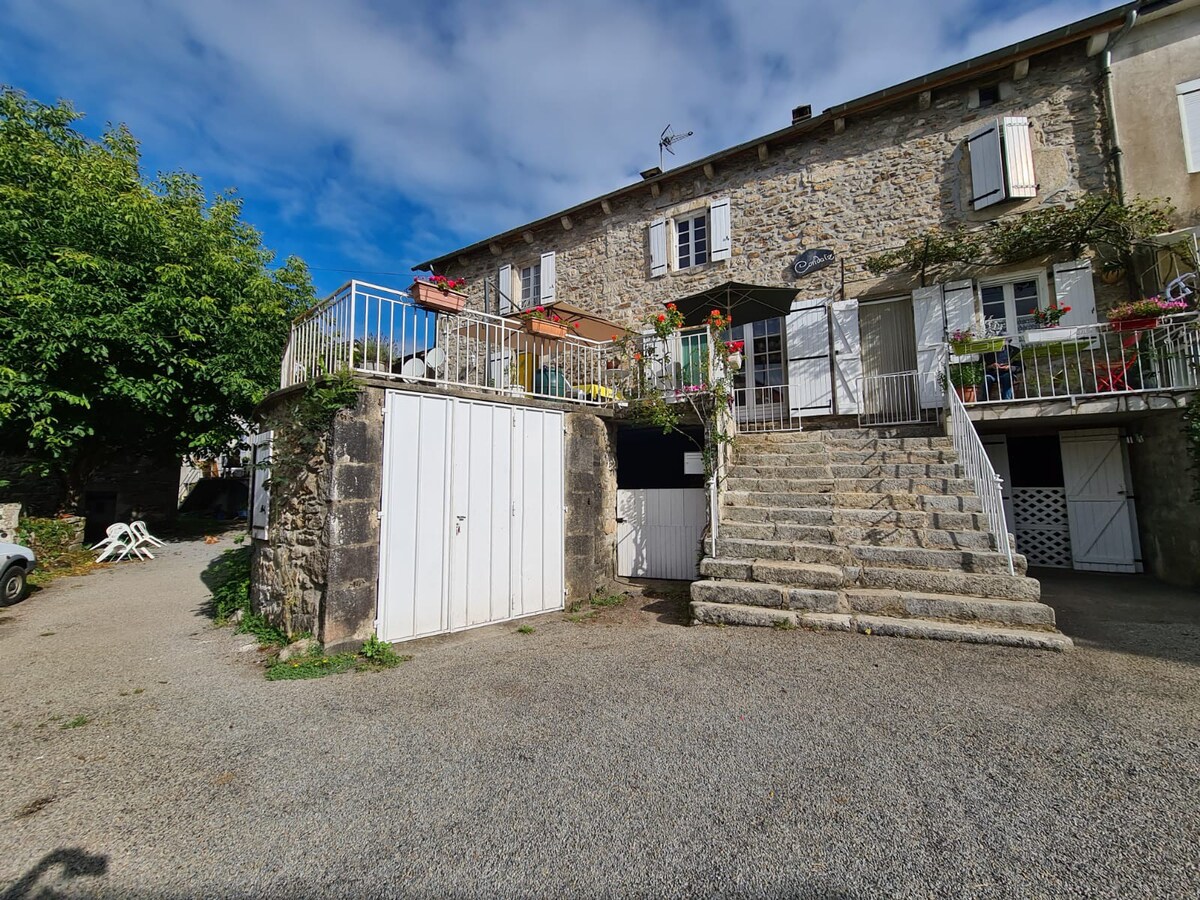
659, 532
1097, 501
810, 387
929, 326
996, 448
472, 514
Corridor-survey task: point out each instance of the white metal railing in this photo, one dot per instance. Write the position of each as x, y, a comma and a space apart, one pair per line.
380, 331
1077, 361
893, 399
764, 408
978, 467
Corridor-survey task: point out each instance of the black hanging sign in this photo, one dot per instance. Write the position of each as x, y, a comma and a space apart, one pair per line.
811, 260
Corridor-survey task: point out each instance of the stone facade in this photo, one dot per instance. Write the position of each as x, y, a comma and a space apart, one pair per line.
888, 175
318, 571
1165, 485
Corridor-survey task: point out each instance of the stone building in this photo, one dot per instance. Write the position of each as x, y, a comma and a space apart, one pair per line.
507, 478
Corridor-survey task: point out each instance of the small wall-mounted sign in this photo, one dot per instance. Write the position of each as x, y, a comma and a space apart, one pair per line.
811, 260
693, 464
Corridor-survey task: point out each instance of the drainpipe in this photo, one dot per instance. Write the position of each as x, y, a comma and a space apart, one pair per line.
1110, 104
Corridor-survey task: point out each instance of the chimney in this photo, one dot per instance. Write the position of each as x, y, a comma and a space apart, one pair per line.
801, 113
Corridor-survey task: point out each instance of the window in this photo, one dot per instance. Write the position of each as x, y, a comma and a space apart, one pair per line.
1189, 118
1001, 162
531, 284
989, 95
691, 237
1008, 307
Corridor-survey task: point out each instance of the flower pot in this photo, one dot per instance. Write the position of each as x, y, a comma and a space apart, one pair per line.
968, 393
546, 328
611, 364
430, 296
1051, 334
735, 361
1134, 324
978, 345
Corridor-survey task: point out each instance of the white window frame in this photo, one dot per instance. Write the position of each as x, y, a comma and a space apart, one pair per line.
1010, 309
534, 297
1189, 127
691, 217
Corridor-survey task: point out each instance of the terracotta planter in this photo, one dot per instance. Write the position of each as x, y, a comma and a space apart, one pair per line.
1134, 324
546, 328
967, 393
430, 296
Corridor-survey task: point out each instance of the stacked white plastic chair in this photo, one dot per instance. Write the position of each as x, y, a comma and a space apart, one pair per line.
122, 541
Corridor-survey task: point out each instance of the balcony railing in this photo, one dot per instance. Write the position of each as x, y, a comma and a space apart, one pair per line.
379, 331
1083, 361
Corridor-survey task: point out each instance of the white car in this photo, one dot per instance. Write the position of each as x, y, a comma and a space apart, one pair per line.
16, 562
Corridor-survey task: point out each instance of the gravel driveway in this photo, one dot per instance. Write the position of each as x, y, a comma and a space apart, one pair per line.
623, 755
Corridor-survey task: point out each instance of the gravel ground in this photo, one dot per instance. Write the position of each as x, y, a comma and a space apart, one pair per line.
623, 755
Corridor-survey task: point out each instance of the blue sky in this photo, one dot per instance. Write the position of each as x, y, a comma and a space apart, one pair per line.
366, 135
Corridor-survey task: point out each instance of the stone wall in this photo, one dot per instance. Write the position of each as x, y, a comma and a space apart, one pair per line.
591, 501
886, 177
1164, 484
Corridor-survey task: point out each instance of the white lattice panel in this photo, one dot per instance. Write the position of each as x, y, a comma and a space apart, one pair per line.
1041, 527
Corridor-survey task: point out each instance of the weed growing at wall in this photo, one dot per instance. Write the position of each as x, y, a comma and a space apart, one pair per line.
54, 542
375, 655
229, 581
306, 422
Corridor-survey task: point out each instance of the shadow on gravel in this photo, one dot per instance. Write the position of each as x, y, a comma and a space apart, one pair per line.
233, 565
668, 599
1127, 613
74, 863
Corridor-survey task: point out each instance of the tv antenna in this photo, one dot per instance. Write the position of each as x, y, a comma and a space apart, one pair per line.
666, 139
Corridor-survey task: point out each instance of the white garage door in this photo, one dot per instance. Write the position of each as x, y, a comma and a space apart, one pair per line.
472, 514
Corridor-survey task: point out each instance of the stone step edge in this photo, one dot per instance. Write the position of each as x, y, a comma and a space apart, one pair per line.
707, 613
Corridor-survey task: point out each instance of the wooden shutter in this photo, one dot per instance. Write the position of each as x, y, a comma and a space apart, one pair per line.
658, 248
987, 166
930, 329
959, 300
847, 357
1189, 119
810, 390
504, 286
718, 223
1018, 157
260, 491
547, 278
1073, 287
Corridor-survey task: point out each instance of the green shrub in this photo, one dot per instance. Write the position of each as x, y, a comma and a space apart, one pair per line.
53, 540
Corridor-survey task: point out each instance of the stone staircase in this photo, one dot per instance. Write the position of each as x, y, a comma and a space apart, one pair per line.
864, 530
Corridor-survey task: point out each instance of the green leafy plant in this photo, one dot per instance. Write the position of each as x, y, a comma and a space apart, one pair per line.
963, 375
317, 664
526, 629
54, 542
301, 426
138, 318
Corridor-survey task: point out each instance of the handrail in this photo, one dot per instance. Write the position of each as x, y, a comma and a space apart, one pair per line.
978, 467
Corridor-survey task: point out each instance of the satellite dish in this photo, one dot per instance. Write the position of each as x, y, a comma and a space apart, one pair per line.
436, 359
412, 370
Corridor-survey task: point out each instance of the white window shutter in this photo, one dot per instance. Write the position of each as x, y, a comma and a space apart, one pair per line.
930, 329
1073, 287
987, 166
658, 248
547, 277
847, 357
1018, 157
504, 286
260, 476
718, 223
1189, 119
810, 390
959, 299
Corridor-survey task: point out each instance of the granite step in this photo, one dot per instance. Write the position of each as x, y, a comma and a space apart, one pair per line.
981, 562
796, 551
965, 502
704, 612
863, 485
926, 581
825, 472
846, 535
772, 596
864, 457
861, 518
907, 604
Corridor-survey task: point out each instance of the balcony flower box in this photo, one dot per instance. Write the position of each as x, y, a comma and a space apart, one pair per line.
546, 328
1138, 324
439, 295
1055, 334
979, 345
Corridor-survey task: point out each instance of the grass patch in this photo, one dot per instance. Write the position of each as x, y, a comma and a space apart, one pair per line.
526, 629
77, 722
581, 611
375, 656
601, 601
229, 581
783, 625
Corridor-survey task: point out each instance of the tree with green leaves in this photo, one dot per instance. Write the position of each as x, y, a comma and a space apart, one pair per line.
138, 318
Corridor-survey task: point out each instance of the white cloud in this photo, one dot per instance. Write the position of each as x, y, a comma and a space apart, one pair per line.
478, 114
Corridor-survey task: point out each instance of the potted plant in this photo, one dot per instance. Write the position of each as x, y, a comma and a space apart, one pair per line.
965, 378
965, 341
734, 354
1048, 330
439, 293
546, 323
1139, 314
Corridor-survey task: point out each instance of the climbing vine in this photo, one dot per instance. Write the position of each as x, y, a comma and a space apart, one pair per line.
1097, 220
300, 427
658, 399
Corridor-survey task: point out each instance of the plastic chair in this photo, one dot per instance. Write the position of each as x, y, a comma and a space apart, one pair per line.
143, 534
